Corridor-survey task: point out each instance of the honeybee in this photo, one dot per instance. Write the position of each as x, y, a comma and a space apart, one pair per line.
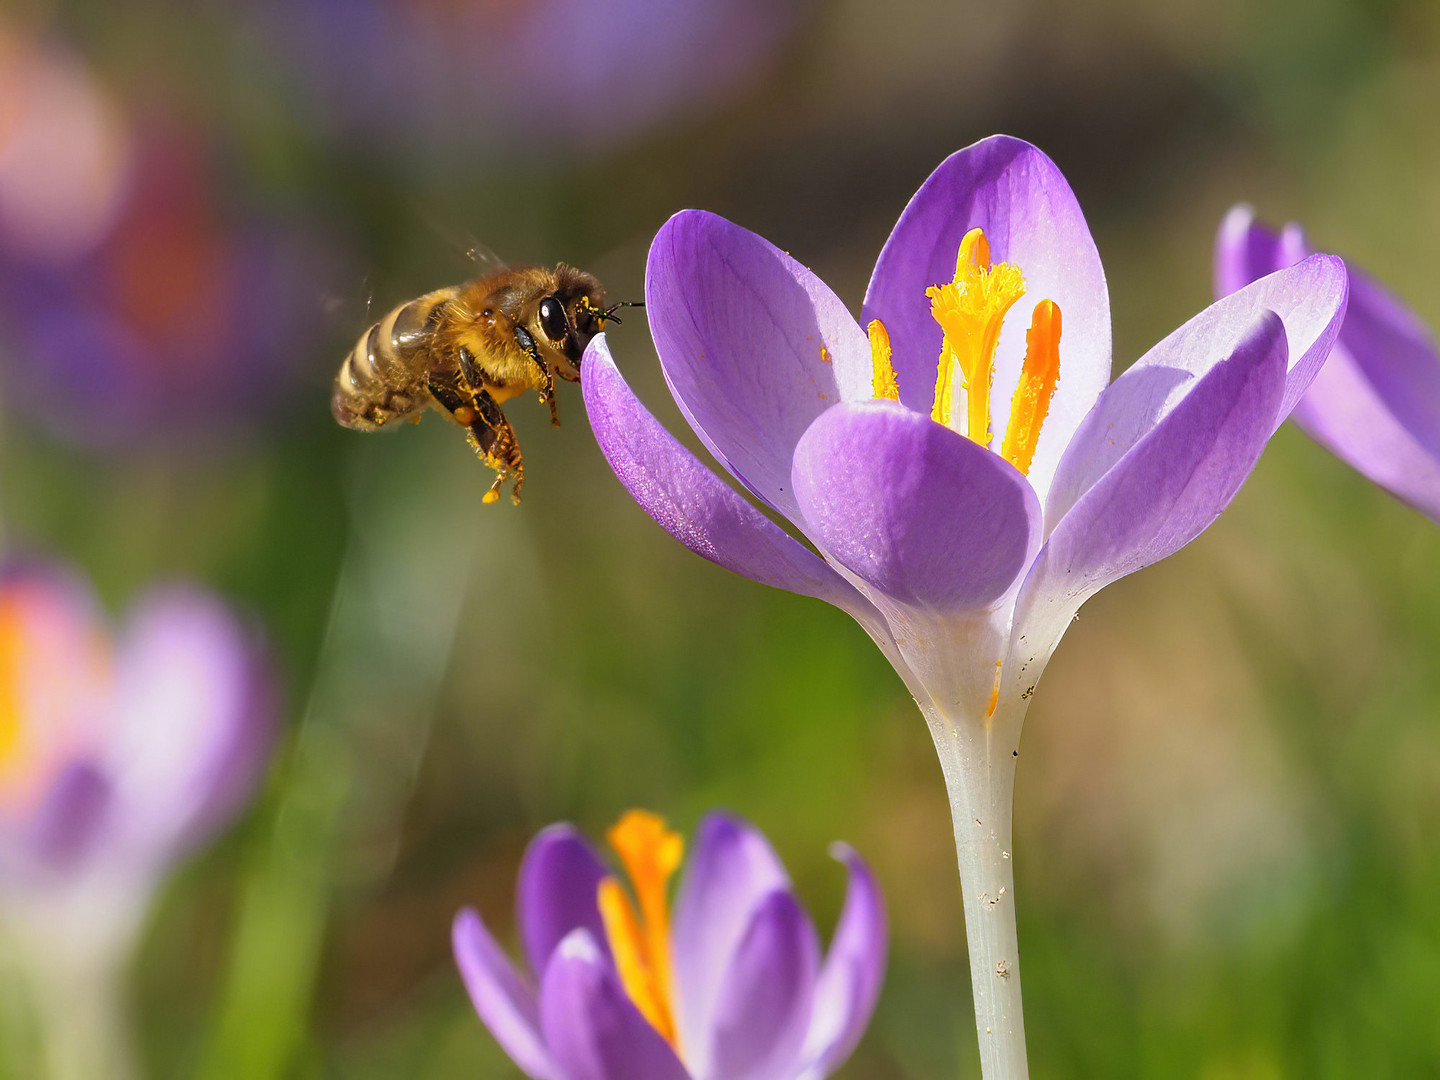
468, 348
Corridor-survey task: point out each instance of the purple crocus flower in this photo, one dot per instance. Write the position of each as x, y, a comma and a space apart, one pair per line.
119, 753
735, 989
118, 756
1376, 403
965, 481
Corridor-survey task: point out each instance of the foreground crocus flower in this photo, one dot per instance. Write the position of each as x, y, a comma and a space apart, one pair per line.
734, 988
1376, 403
968, 476
118, 754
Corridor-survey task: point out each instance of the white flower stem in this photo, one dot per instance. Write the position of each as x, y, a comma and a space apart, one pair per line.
978, 759
85, 1030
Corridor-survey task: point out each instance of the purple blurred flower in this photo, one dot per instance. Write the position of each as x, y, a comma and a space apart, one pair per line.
545, 75
132, 308
963, 533
737, 990
1376, 403
64, 151
117, 756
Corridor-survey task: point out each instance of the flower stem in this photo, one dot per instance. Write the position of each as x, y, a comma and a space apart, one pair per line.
978, 760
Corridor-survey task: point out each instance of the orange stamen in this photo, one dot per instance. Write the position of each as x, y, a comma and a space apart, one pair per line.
1038, 376
640, 943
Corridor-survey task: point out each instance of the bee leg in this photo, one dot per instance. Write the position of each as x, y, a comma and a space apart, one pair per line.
547, 378
487, 429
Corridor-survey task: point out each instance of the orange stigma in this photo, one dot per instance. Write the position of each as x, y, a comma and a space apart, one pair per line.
640, 942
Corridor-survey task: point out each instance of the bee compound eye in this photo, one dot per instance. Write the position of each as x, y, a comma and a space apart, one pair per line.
552, 319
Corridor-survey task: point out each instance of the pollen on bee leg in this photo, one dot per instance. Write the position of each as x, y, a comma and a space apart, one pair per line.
1038, 376
884, 386
465, 415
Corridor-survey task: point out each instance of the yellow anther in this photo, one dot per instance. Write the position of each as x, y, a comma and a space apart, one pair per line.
885, 386
1038, 376
971, 311
994, 692
640, 943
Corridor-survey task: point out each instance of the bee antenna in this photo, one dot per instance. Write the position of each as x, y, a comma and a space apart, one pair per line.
609, 315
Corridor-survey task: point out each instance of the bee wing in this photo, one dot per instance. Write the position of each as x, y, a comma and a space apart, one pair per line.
485, 260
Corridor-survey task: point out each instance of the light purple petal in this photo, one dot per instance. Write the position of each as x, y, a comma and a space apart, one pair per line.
730, 871
559, 879
195, 721
754, 346
849, 983
1030, 216
592, 1028
66, 824
1309, 299
1373, 418
1246, 251
1163, 492
506, 1004
762, 1010
691, 503
1376, 403
923, 514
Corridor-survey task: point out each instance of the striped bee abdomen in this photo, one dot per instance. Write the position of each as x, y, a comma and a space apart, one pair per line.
383, 377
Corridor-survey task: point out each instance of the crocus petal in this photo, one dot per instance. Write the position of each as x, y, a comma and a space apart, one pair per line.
1246, 251
1163, 492
923, 514
194, 724
754, 346
591, 1026
1376, 402
694, 505
1031, 217
730, 871
559, 879
505, 1003
71, 816
762, 1009
849, 983
1310, 300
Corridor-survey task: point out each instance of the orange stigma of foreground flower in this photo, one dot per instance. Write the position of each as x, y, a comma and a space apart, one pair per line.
640, 942
971, 311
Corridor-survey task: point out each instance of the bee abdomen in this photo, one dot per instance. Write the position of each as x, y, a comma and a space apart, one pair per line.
383, 377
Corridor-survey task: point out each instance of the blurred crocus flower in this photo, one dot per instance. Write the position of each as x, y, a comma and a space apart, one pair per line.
1376, 403
64, 151
546, 76
966, 480
733, 988
134, 307
118, 754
